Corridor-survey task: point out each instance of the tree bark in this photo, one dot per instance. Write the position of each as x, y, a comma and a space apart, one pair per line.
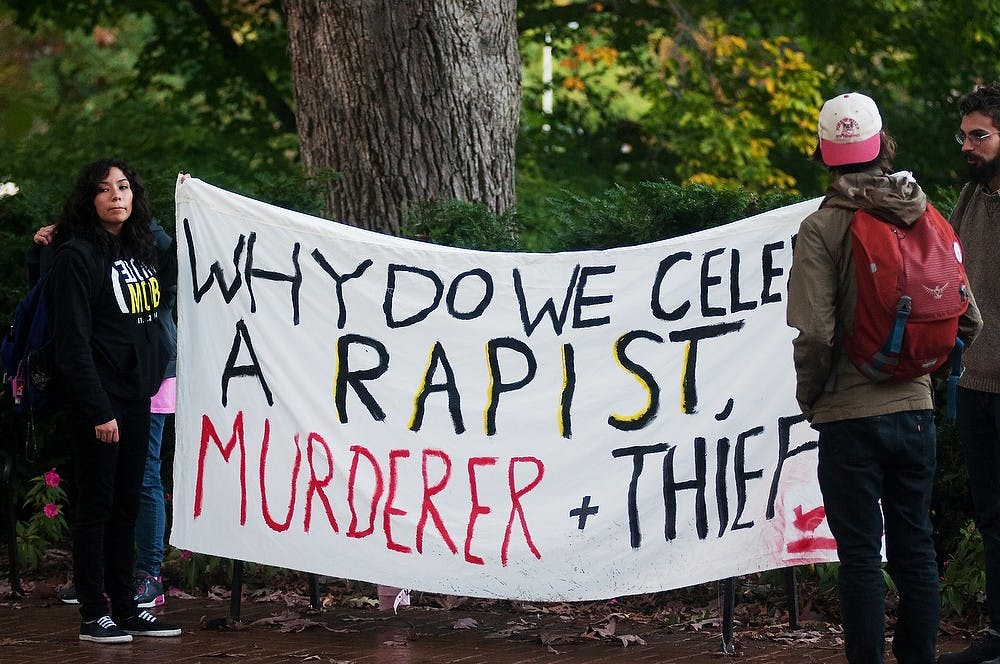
407, 100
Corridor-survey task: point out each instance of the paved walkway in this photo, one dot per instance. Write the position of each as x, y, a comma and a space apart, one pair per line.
42, 631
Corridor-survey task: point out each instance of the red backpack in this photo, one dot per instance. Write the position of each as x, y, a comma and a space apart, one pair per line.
912, 289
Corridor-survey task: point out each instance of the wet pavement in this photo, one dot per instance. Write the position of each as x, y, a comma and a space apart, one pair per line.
41, 630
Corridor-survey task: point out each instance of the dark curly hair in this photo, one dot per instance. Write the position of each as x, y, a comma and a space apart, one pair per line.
79, 216
985, 99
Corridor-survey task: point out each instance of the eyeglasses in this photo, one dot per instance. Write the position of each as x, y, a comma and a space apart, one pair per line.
977, 139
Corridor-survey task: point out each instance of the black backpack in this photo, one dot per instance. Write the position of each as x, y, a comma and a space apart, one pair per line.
26, 354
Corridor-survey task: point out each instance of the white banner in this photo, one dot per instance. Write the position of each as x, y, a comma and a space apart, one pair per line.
567, 426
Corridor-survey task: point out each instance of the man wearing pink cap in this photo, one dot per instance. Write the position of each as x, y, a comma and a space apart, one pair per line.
877, 441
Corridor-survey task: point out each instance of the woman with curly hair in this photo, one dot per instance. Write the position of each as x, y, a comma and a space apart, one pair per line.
106, 286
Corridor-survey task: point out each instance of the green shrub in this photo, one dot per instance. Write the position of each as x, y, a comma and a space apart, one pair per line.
963, 583
650, 211
460, 224
951, 506
46, 527
197, 571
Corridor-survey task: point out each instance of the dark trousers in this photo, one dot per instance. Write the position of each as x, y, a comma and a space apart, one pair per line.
888, 458
978, 416
108, 479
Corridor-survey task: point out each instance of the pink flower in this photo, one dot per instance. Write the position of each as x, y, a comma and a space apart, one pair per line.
185, 554
52, 478
51, 510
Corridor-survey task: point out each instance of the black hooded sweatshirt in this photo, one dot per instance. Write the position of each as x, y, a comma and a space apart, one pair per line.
104, 312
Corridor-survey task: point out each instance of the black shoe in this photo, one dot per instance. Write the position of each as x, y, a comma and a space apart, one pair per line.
146, 624
983, 650
148, 591
103, 630
68, 595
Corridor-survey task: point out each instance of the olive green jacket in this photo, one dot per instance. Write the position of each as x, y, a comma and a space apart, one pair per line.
821, 300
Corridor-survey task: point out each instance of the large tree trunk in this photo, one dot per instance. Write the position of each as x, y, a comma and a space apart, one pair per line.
408, 100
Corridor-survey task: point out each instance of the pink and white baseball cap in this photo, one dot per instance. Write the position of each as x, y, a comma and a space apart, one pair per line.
849, 130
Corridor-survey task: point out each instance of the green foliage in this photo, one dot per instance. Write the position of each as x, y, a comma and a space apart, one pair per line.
950, 502
964, 581
46, 526
892, 51
100, 96
596, 104
650, 211
641, 91
720, 92
943, 198
827, 575
538, 181
224, 62
460, 224
91, 103
748, 105
19, 103
198, 571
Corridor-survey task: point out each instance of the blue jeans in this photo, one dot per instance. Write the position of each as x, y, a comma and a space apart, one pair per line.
152, 519
978, 417
887, 458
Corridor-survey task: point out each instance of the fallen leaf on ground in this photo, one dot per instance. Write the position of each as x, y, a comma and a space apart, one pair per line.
951, 629
465, 623
289, 621
509, 631
219, 624
699, 625
603, 631
798, 637
361, 602
362, 619
281, 596
449, 602
560, 609
631, 638
556, 639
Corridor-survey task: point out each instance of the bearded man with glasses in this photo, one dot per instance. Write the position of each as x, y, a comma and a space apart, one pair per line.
976, 219
877, 440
